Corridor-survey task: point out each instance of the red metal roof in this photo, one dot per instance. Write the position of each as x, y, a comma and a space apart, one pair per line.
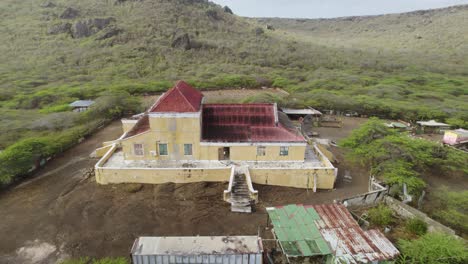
348, 241
181, 98
244, 123
141, 126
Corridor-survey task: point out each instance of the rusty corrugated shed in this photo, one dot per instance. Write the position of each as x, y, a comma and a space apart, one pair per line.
300, 228
348, 241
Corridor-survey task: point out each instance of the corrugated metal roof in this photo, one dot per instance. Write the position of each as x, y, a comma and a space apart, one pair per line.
295, 228
82, 103
291, 111
197, 245
244, 123
333, 226
141, 126
348, 241
432, 123
181, 98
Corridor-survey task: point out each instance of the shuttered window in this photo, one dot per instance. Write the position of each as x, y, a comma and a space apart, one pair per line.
138, 149
261, 150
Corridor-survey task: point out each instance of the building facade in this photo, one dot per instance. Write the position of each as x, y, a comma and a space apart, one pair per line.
180, 132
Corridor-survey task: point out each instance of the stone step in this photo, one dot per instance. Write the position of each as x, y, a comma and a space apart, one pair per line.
241, 209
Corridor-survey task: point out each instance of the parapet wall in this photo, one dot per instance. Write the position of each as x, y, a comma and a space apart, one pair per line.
375, 195
319, 178
161, 175
310, 178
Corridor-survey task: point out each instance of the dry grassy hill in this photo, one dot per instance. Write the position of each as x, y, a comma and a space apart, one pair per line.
53, 52
434, 38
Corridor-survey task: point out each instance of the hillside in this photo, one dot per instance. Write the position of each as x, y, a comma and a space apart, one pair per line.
53, 52
434, 38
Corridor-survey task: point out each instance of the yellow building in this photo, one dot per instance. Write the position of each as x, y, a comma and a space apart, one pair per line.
180, 139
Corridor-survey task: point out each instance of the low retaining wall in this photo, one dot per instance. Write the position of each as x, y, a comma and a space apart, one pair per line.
106, 175
319, 178
407, 211
161, 175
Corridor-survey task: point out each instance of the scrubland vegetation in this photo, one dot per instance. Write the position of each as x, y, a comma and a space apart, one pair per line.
397, 159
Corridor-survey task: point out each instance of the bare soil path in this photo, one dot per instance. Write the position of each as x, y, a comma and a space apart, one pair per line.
60, 213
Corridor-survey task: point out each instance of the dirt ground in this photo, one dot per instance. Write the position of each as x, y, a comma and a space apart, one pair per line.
61, 213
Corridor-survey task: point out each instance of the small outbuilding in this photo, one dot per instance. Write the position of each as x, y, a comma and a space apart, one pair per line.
327, 233
432, 127
398, 126
81, 105
455, 137
197, 249
295, 114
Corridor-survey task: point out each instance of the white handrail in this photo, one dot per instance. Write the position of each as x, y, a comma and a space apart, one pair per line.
227, 193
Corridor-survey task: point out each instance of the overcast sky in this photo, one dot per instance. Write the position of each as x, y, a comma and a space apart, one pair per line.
330, 8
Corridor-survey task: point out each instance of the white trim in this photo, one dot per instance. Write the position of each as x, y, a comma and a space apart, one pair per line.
122, 136
283, 168
129, 121
175, 168
174, 114
275, 111
238, 144
136, 135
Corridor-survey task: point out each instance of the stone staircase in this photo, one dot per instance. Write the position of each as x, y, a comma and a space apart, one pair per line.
241, 194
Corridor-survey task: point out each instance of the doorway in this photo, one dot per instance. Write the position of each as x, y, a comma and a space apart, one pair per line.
224, 153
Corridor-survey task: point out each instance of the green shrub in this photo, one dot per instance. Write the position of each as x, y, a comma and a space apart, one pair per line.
55, 109
19, 158
416, 226
450, 208
380, 215
397, 158
262, 98
282, 82
433, 248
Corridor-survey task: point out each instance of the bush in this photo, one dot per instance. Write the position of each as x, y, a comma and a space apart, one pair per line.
19, 158
416, 226
262, 98
433, 248
380, 215
398, 158
111, 105
56, 108
451, 208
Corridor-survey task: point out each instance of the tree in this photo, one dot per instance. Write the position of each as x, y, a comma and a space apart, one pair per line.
20, 157
433, 248
111, 105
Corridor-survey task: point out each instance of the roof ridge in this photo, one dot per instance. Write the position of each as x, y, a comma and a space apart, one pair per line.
182, 94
